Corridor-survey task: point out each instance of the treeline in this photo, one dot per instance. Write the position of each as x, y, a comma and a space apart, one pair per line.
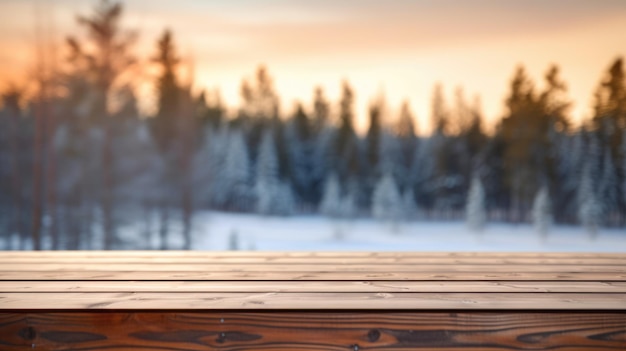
80, 168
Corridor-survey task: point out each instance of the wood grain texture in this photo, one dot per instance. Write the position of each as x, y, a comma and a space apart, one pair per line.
314, 286
327, 301
315, 331
385, 260
309, 267
239, 301
319, 275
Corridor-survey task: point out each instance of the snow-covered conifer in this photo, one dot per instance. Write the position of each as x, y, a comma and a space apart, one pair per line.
386, 200
542, 212
237, 172
267, 184
607, 188
475, 213
331, 198
589, 208
347, 208
217, 147
284, 200
408, 204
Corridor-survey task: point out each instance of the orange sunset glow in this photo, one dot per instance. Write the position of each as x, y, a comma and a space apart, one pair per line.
399, 48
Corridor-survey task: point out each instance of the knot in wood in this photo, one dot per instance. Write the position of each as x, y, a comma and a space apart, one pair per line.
373, 335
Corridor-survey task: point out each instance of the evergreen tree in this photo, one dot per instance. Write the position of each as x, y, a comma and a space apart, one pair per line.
346, 146
322, 146
321, 111
542, 213
285, 200
299, 144
236, 183
267, 181
525, 133
218, 145
407, 143
373, 139
610, 108
589, 208
423, 171
475, 213
168, 89
386, 200
331, 199
348, 207
260, 101
408, 204
104, 58
608, 186
439, 112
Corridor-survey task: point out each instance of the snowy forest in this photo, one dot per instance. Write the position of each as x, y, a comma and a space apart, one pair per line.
79, 160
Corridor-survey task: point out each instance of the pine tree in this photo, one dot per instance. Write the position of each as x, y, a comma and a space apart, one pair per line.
589, 208
408, 204
346, 145
407, 143
218, 145
348, 207
386, 200
608, 186
422, 175
103, 57
321, 111
285, 202
440, 117
475, 214
267, 182
331, 199
373, 139
164, 123
610, 107
299, 143
542, 213
237, 173
260, 99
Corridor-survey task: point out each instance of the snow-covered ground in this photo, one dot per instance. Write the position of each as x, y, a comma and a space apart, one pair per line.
213, 231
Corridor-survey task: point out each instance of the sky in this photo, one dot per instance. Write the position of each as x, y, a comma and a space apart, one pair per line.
398, 48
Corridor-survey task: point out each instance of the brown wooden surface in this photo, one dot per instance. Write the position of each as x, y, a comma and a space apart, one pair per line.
331, 280
173, 300
315, 331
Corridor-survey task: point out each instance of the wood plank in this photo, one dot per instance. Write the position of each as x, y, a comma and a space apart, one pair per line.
312, 267
312, 286
166, 260
195, 331
307, 276
307, 301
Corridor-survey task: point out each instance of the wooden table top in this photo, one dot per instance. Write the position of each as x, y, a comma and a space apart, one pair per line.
204, 280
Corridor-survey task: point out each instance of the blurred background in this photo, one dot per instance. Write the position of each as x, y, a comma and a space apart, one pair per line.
313, 125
